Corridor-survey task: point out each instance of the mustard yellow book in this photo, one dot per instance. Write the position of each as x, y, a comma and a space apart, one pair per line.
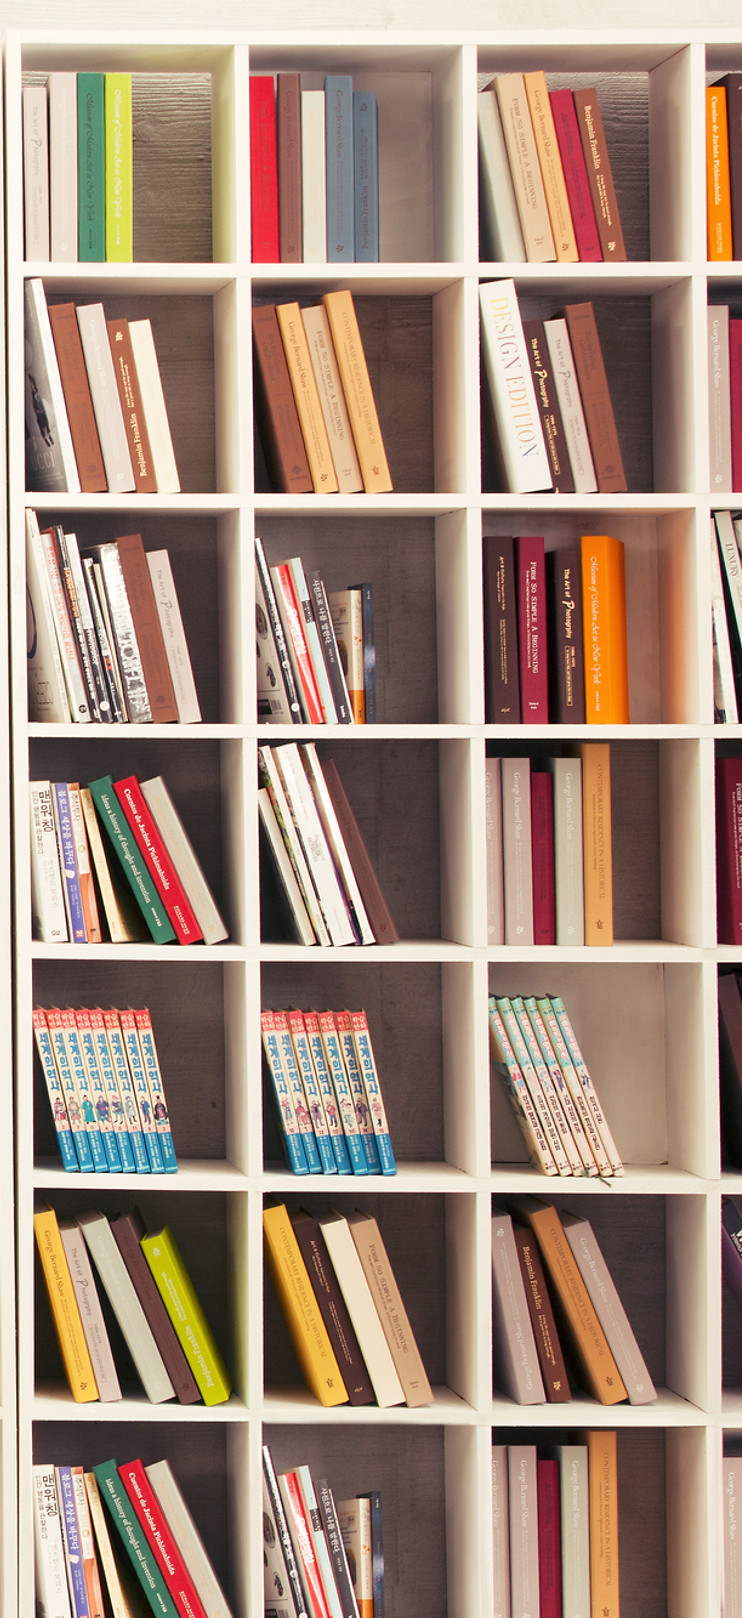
119, 168
306, 398
602, 1470
604, 630
63, 1304
184, 1308
552, 173
359, 396
718, 189
597, 856
295, 1294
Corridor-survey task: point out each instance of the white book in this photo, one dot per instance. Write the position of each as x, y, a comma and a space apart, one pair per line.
609, 1308
124, 1300
570, 403
506, 1065
332, 399
500, 1533
731, 562
77, 691
183, 856
190, 1543
52, 1594
321, 1547
720, 419
311, 635
520, 438
114, 602
503, 237
551, 1092
493, 838
589, 1165
282, 810
586, 1084
104, 393
525, 168
36, 172
725, 698
50, 457
573, 1084
541, 1106
732, 1570
154, 407
48, 913
314, 202
514, 1347
523, 1508
570, 909
173, 634
516, 850
47, 694
285, 868
63, 166
309, 827
362, 1310
335, 838
575, 1523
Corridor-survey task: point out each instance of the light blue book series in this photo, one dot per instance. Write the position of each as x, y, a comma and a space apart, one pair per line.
339, 168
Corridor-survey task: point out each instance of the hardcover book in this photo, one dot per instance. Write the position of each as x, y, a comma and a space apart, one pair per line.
519, 436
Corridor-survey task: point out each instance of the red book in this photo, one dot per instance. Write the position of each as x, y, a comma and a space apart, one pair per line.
294, 628
575, 176
164, 875
729, 849
163, 1545
549, 1539
735, 399
288, 1483
534, 684
542, 857
263, 170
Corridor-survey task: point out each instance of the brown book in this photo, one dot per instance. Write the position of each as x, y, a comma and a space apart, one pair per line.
548, 1347
288, 119
596, 398
76, 389
552, 426
599, 175
281, 436
132, 410
155, 666
128, 1231
375, 904
331, 1303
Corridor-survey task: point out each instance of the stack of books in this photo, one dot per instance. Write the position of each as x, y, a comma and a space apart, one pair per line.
555, 1527
320, 1555
77, 168
136, 1519
546, 184
104, 1082
536, 1055
327, 1096
314, 171
76, 830
315, 411
313, 845
316, 653
724, 168
549, 856
152, 1298
108, 642
96, 418
553, 416
343, 1309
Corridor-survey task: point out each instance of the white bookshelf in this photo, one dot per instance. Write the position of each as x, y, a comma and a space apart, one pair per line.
645, 1010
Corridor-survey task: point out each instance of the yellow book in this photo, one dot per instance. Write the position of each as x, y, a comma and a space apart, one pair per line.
603, 1517
718, 190
295, 1294
597, 862
306, 397
604, 630
552, 173
63, 1305
358, 393
119, 169
187, 1316
591, 1345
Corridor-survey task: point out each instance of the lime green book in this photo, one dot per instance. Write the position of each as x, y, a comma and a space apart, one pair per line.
119, 169
192, 1329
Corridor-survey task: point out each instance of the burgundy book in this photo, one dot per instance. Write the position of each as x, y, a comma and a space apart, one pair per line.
128, 1231
332, 1308
733, 86
132, 409
548, 1346
730, 1067
501, 671
549, 1539
375, 904
289, 169
575, 176
596, 398
263, 170
281, 435
735, 399
565, 645
729, 849
148, 630
548, 404
76, 389
531, 590
542, 857
599, 174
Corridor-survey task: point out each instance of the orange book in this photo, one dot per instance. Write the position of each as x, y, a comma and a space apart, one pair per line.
718, 192
603, 1517
589, 1340
597, 862
604, 630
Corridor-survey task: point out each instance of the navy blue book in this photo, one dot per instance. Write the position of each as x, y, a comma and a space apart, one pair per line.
366, 176
339, 167
369, 650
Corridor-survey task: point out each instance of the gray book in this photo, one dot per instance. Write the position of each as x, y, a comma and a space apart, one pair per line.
500, 1533
609, 1308
190, 1543
91, 1314
124, 1301
523, 1504
570, 908
573, 1490
514, 1348
516, 850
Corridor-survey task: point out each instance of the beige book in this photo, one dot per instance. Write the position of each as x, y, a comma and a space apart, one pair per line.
525, 167
306, 398
362, 1310
392, 1313
332, 399
552, 173
154, 407
358, 392
597, 860
119, 1605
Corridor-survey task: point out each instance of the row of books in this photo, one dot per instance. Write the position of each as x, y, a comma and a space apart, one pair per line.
549, 860
321, 1556
316, 656
314, 171
96, 417
555, 1528
555, 631
725, 387
536, 1054
104, 1082
152, 1298
325, 1086
116, 850
554, 426
315, 410
108, 1538
546, 183
724, 168
78, 168
343, 1308
107, 642
546, 1260
313, 845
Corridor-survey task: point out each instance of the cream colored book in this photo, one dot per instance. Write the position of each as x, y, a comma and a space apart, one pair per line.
362, 1310
154, 407
306, 398
391, 1310
552, 173
332, 399
525, 168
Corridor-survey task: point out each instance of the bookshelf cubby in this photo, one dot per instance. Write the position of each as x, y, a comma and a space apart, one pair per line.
645, 1010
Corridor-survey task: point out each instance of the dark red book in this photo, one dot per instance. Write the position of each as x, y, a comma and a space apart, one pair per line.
332, 1308
289, 169
275, 407
501, 669
729, 849
549, 1539
566, 660
575, 176
735, 399
733, 86
128, 1231
548, 1346
542, 857
375, 904
596, 398
531, 590
600, 175
730, 1067
548, 404
263, 170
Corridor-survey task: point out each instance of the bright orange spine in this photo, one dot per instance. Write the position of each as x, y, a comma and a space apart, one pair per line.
604, 623
718, 191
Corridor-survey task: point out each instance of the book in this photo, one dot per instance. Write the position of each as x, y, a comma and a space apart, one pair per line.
596, 398
51, 1576
733, 85
597, 852
77, 398
69, 1089
91, 1575
72, 1540
358, 392
718, 194
525, 168
731, 1569
330, 1098
303, 1318
568, 874
735, 412
329, 647
549, 1537
365, 177
128, 1537
91, 1314
287, 892
104, 392
160, 1539
543, 1324
174, 637
128, 1230
305, 602
588, 1339
264, 244
310, 1088
299, 1523
610, 1310
324, 873
108, 1105
51, 466
304, 1098
132, 864
288, 161
91, 176
527, 1116
729, 849
730, 1065
519, 437
356, 1290
119, 1605
338, 1553
132, 407
552, 174
390, 1306
117, 112
48, 913
124, 1300
190, 1544
346, 613
47, 695
575, 176
501, 659
516, 1361
284, 1595
516, 850
559, 1088
575, 1523
114, 602
65, 1313
187, 1316
146, 620
314, 211
183, 855
600, 175
311, 419
587, 1089
158, 860
531, 593
333, 1308
123, 918
501, 235
720, 420
332, 399
565, 631
275, 407
570, 405
374, 902
500, 1532
602, 1460
354, 1521
154, 407
35, 109
725, 645
523, 1516
542, 857
547, 399
338, 90
493, 835
511, 1012
52, 1082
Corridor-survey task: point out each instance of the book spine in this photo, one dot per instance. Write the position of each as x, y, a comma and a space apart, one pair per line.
65, 1138
542, 857
305, 604
610, 1310
333, 664
346, 613
287, 673
338, 1555
359, 396
121, 1100
733, 87
76, 389
263, 170
549, 1538
155, 854
597, 1362
367, 1065
99, 1091
570, 909
312, 1091
575, 176
341, 1085
500, 1533
300, 1099
603, 1487
565, 643
570, 404
339, 167
311, 419
332, 399
524, 167
187, 1316
542, 118
600, 175
104, 392
288, 135
573, 1469
119, 1607
36, 172
140, 1557
314, 211
70, 1035
51, 1573
720, 420
534, 690
71, 1536
276, 411
154, 407
119, 168
548, 1347
502, 665
155, 1086
299, 1524
137, 1069
718, 196
517, 417
493, 836
528, 1119
91, 173
366, 177
49, 916
130, 399
358, 1091
596, 398
47, 695
69, 1090
270, 1484
68, 863
516, 850
63, 1304
85, 1528
296, 641
500, 222
735, 409
547, 400
597, 853
516, 1361
523, 1513
174, 637
127, 853
160, 1539
303, 1319
127, 647
50, 456
329, 1099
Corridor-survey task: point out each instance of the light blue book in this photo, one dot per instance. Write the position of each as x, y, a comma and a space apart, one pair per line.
141, 1091
72, 1544
339, 167
358, 1092
99, 1040
65, 1137
366, 176
69, 1091
303, 1116
156, 1090
367, 1065
126, 1091
99, 1094
293, 1142
334, 1123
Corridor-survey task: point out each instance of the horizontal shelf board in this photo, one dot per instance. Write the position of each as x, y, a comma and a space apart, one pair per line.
137, 952
639, 1180
362, 733
389, 278
193, 279
667, 1410
53, 1404
623, 950
628, 277
588, 733
651, 504
363, 505
191, 1176
61, 732
298, 1405
194, 505
406, 950
410, 1177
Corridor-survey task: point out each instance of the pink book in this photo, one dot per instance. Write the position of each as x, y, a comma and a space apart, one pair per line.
735, 399
729, 849
542, 857
531, 581
575, 176
549, 1539
263, 169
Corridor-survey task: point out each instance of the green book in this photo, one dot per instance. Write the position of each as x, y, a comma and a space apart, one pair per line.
191, 1326
133, 1539
119, 172
123, 842
91, 170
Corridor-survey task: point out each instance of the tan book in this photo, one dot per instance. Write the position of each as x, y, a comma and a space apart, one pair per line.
311, 419
358, 392
362, 1309
602, 1465
332, 399
552, 173
119, 1605
597, 861
525, 168
130, 397
63, 1304
392, 1313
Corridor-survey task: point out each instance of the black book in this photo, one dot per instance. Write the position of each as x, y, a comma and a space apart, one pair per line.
565, 636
